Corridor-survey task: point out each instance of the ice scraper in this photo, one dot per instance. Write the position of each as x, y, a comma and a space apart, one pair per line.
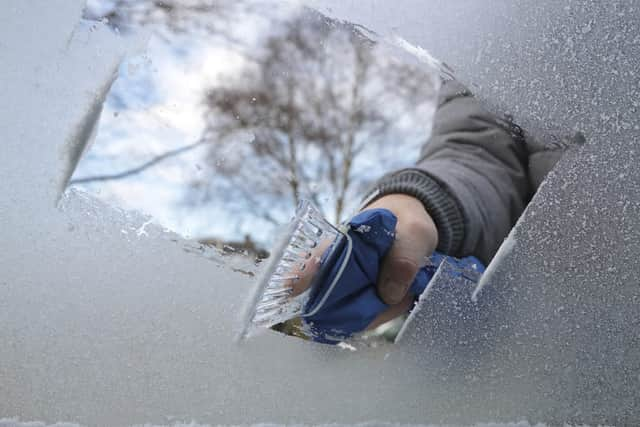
326, 275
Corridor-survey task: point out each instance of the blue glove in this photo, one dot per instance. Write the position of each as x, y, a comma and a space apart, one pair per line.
352, 304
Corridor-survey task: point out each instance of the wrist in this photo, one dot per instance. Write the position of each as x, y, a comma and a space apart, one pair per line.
441, 206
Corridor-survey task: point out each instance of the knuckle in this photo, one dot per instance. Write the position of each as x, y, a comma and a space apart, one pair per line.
417, 227
418, 233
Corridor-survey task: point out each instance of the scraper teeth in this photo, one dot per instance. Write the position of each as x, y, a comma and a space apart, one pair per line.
268, 306
302, 242
276, 299
278, 292
280, 279
271, 315
263, 321
290, 259
270, 301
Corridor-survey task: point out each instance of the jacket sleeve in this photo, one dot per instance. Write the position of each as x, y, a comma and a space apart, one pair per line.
471, 176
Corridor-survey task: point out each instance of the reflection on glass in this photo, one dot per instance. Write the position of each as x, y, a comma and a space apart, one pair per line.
240, 109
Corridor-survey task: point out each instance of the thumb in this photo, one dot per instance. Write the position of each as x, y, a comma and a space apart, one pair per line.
406, 256
396, 275
416, 238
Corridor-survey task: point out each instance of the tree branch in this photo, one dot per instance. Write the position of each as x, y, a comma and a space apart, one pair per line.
137, 169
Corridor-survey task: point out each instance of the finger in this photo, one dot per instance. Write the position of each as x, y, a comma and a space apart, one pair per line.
396, 276
304, 271
401, 264
392, 312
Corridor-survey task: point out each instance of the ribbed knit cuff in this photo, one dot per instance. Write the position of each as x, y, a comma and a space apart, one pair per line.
441, 206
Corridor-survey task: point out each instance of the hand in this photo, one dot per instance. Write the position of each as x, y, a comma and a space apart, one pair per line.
416, 239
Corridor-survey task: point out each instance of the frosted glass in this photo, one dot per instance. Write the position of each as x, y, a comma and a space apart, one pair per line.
108, 321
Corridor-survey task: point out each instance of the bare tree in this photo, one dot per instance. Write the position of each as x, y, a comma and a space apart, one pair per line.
316, 98
315, 113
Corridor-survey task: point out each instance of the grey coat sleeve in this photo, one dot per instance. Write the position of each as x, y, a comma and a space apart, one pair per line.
471, 176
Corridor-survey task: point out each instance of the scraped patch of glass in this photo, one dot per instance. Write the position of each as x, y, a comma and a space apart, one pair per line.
238, 110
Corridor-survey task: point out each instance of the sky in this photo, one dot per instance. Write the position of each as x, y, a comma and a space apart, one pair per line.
156, 105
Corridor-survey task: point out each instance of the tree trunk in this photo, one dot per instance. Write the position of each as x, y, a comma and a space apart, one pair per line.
294, 181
